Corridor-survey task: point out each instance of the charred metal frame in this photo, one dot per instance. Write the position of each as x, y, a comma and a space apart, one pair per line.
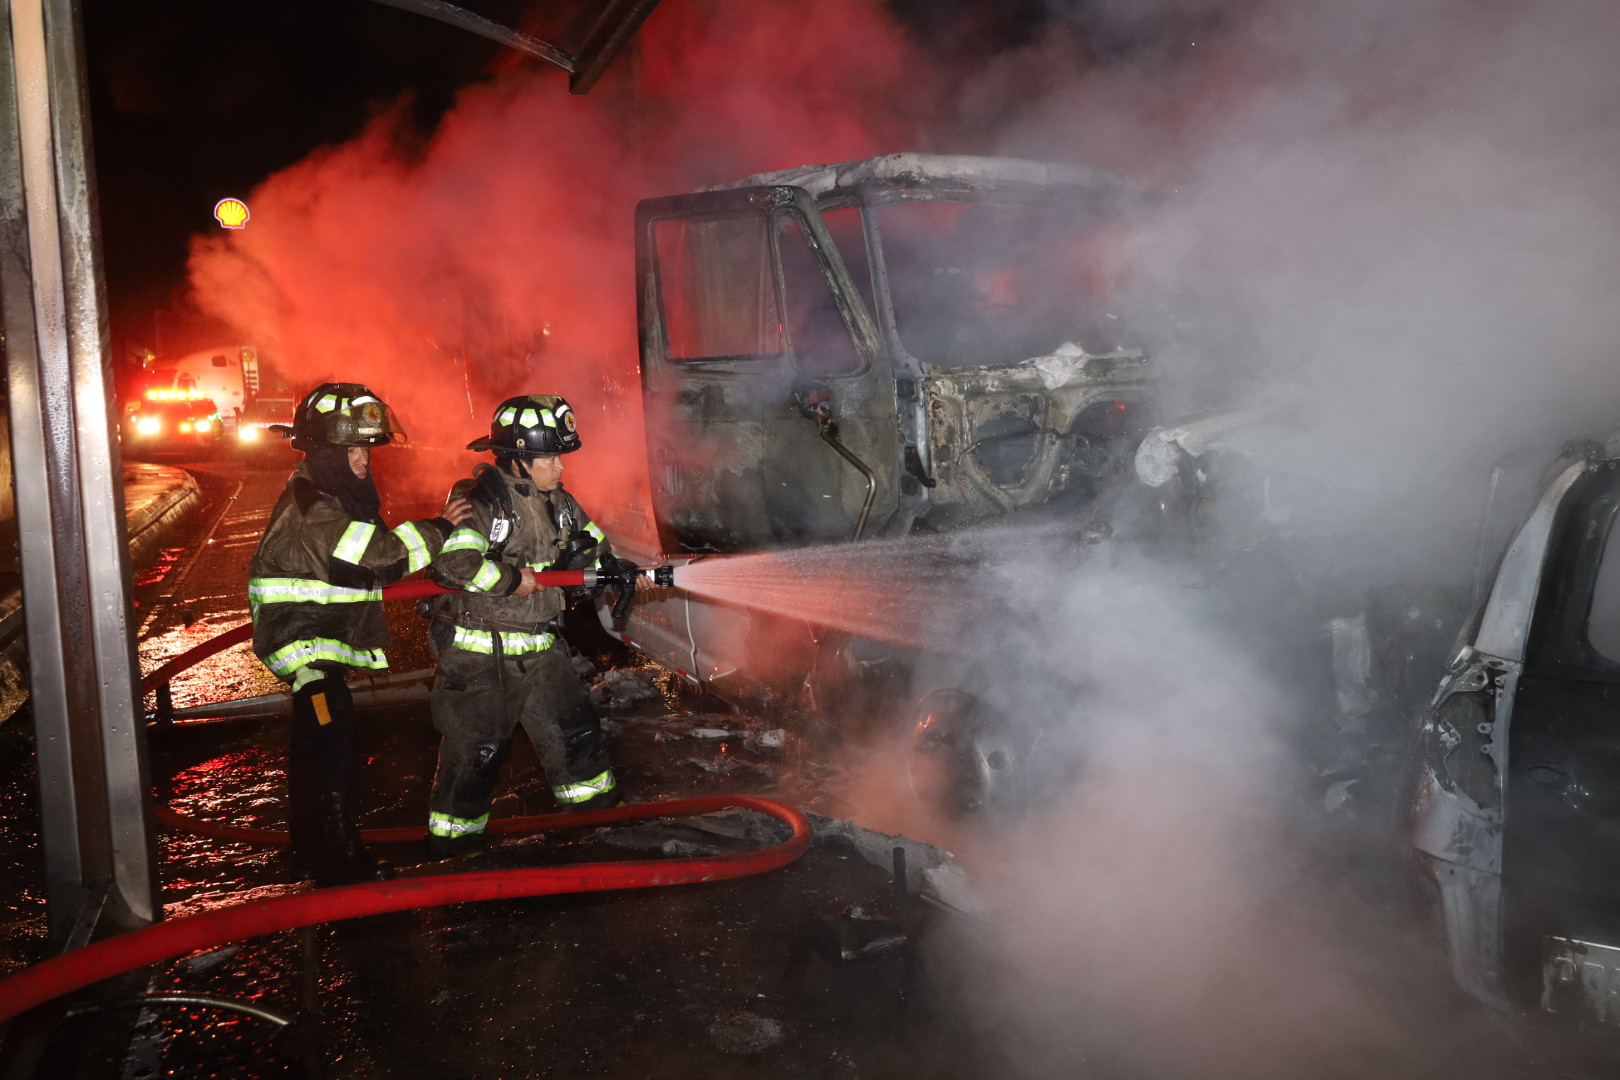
96, 822
612, 31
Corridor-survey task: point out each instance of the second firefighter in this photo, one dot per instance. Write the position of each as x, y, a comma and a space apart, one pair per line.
500, 663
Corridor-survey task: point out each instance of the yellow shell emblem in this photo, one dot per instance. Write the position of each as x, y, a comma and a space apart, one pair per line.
231, 213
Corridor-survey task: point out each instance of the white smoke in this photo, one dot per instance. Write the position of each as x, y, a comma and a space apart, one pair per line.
1403, 213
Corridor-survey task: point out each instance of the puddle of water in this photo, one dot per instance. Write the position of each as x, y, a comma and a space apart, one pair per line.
161, 566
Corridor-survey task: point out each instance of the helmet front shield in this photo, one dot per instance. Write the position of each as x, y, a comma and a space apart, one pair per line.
344, 414
368, 421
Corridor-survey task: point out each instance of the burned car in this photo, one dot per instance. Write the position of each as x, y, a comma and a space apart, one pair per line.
1514, 801
911, 343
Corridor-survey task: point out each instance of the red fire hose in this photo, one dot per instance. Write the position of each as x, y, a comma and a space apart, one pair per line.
71, 971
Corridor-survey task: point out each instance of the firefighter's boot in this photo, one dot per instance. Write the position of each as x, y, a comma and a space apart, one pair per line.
343, 859
458, 809
304, 829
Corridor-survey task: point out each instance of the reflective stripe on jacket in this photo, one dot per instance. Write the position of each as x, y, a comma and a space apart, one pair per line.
315, 582
482, 641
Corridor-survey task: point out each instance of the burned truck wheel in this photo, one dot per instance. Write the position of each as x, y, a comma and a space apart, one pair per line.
964, 758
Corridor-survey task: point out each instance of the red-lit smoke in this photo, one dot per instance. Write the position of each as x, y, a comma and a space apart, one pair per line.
494, 256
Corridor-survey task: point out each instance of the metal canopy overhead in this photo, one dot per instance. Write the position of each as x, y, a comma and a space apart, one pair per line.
580, 36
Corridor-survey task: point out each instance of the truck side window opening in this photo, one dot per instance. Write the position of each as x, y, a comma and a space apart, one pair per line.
219, 361
820, 339
717, 287
844, 225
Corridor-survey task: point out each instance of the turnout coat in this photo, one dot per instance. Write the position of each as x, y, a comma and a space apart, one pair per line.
514, 527
315, 582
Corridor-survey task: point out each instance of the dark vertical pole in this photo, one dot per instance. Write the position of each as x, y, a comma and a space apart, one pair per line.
309, 1004
75, 554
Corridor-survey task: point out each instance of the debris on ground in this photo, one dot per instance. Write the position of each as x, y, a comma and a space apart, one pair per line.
711, 834
701, 726
726, 766
930, 872
853, 935
744, 1033
624, 688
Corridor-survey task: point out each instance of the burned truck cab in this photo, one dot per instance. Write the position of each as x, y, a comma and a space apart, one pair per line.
842, 352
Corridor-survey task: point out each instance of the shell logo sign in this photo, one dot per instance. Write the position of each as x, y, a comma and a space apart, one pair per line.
231, 213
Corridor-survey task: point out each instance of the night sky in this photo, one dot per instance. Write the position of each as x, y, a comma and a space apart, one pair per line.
192, 102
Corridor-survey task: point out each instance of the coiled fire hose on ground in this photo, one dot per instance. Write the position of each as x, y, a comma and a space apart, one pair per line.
72, 971
75, 970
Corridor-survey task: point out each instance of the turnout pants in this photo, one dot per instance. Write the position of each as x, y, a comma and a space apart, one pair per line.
476, 707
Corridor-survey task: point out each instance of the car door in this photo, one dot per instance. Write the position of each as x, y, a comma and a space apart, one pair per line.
1561, 842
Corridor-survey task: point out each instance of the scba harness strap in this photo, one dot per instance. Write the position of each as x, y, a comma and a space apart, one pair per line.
578, 543
495, 493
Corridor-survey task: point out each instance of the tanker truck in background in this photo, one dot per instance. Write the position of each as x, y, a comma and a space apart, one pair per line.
249, 393
836, 353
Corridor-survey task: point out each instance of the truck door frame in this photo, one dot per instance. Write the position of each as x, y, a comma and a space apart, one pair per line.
694, 385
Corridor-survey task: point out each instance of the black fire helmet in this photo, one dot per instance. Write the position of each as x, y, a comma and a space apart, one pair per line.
341, 414
531, 425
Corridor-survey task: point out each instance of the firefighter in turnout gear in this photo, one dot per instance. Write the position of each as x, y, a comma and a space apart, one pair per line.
315, 592
500, 661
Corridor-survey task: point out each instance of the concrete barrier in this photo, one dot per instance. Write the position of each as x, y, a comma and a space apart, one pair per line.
159, 501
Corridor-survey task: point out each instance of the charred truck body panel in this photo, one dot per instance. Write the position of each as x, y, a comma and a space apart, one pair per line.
840, 352
1515, 797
